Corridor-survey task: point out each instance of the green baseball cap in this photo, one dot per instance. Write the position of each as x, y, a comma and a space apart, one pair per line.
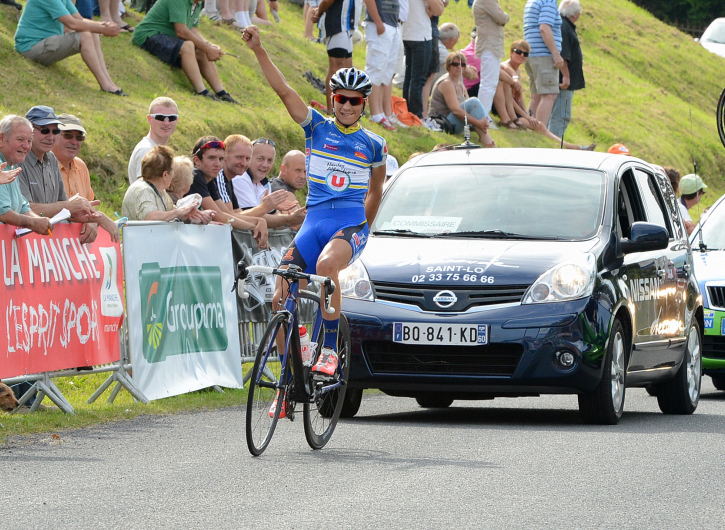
691, 183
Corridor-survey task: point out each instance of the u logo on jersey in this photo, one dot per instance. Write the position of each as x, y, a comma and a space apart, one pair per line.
337, 180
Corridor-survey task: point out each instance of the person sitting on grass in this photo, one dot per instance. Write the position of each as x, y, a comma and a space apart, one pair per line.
509, 99
449, 101
170, 31
146, 199
51, 30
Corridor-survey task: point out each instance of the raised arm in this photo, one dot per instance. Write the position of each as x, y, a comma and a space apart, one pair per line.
292, 101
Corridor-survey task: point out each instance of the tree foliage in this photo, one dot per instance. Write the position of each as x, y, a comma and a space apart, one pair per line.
680, 12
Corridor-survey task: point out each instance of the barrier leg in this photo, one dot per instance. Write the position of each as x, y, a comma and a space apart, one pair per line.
114, 393
102, 388
47, 387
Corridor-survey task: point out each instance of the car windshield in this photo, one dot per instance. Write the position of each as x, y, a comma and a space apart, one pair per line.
713, 228
715, 32
494, 202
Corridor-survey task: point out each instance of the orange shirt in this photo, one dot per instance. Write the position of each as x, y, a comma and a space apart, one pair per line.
77, 179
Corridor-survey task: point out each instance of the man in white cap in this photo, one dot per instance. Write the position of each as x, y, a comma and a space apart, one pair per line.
76, 177
692, 188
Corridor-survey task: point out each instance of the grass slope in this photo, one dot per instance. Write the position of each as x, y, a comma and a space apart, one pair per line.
643, 78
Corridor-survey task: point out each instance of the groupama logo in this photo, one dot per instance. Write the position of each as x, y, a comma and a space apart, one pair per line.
184, 311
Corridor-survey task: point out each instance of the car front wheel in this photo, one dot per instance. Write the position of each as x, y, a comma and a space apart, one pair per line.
681, 394
604, 405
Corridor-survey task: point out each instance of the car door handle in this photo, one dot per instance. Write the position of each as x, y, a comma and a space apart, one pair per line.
661, 273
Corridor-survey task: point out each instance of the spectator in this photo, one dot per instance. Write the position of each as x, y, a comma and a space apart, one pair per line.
51, 30
146, 199
434, 65
170, 32
41, 182
450, 101
75, 174
208, 160
448, 36
307, 12
110, 12
252, 189
472, 82
692, 188
418, 45
236, 161
182, 175
510, 103
16, 136
490, 20
382, 35
571, 75
163, 117
292, 178
542, 30
337, 20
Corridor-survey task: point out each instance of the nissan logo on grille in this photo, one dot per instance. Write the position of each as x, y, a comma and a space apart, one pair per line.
445, 299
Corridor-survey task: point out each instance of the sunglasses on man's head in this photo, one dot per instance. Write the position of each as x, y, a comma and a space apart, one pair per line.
71, 136
456, 64
162, 117
521, 52
354, 100
215, 144
46, 130
264, 141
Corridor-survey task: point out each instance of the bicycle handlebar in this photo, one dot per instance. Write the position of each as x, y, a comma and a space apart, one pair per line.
291, 274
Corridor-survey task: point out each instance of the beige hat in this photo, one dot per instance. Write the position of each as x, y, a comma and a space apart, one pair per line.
68, 122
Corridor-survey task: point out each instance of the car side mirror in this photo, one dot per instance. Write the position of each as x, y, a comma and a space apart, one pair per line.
645, 237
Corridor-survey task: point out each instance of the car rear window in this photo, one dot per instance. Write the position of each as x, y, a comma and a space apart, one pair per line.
494, 201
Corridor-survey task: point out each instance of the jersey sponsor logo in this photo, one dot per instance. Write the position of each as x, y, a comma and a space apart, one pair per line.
356, 238
330, 147
289, 254
385, 149
360, 155
307, 151
337, 181
339, 233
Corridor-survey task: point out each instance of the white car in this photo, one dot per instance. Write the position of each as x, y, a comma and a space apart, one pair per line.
714, 37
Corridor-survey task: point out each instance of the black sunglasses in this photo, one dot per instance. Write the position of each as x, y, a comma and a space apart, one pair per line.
521, 52
354, 100
458, 64
264, 141
70, 136
162, 117
46, 130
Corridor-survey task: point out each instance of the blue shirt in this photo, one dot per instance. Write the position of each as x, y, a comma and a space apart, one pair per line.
40, 21
10, 196
339, 159
538, 12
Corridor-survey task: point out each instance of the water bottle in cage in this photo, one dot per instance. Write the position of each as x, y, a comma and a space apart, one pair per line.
306, 346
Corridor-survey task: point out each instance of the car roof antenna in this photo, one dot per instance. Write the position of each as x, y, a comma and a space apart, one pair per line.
702, 245
466, 130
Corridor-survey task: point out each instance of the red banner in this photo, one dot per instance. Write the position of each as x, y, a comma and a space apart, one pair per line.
60, 301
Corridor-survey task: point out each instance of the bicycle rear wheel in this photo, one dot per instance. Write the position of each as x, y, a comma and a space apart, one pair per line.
320, 417
260, 424
721, 117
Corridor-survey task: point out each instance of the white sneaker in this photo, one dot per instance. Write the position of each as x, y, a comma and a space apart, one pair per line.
395, 121
431, 125
492, 123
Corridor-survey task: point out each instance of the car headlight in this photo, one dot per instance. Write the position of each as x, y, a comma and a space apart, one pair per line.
569, 280
355, 283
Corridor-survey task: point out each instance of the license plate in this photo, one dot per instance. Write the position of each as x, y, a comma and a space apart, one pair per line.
452, 334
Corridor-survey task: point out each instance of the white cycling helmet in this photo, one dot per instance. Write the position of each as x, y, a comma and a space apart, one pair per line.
351, 79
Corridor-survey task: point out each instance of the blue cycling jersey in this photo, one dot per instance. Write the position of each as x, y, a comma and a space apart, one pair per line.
339, 159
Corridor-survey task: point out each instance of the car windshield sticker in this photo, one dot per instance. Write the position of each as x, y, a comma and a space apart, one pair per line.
423, 224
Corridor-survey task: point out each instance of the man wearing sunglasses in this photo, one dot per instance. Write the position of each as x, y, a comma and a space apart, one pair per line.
345, 173
76, 177
162, 118
40, 180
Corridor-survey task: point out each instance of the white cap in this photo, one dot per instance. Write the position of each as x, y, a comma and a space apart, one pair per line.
392, 165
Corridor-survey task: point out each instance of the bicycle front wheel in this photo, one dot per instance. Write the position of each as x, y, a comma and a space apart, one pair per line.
320, 417
261, 420
721, 117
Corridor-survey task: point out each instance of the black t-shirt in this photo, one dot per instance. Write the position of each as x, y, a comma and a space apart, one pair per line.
199, 185
571, 51
279, 184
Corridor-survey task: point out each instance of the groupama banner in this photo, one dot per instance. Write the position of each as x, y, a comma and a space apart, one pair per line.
60, 302
182, 317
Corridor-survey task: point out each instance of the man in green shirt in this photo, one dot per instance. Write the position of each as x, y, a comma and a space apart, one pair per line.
170, 31
42, 37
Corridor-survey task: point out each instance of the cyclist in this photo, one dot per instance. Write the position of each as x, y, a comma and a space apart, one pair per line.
345, 174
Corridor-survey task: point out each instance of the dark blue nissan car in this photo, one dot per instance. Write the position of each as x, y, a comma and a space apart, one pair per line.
519, 272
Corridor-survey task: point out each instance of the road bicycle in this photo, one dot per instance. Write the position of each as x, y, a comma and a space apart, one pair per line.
279, 371
721, 117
